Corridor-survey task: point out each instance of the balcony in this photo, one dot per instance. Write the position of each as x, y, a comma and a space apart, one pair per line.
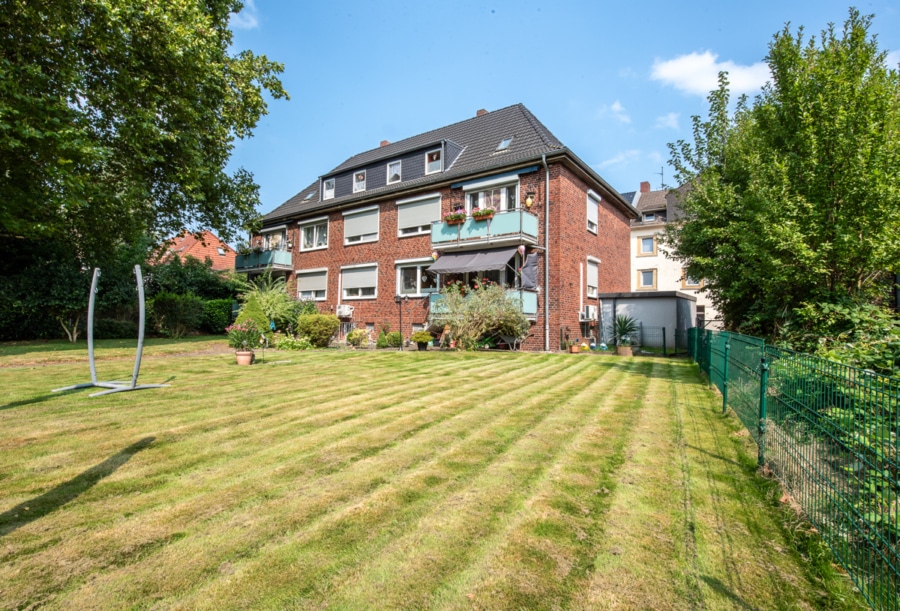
260, 261
528, 299
511, 227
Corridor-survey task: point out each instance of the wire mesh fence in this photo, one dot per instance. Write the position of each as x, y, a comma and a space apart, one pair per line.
831, 433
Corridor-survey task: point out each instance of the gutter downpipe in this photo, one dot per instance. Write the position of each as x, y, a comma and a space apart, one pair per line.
546, 253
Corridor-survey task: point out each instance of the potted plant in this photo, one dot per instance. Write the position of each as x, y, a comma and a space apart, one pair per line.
623, 328
457, 217
243, 337
421, 338
483, 214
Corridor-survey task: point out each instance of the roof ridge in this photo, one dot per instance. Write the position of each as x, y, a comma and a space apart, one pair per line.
425, 133
539, 127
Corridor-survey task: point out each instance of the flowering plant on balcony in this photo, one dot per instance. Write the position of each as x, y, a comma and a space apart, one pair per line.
456, 217
482, 214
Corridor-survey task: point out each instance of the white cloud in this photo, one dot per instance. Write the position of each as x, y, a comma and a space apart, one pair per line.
617, 111
893, 58
247, 18
621, 158
698, 73
655, 157
668, 121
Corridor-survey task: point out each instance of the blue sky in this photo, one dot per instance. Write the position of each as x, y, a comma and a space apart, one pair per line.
615, 82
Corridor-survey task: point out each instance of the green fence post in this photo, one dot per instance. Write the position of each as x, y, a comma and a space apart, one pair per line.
725, 377
763, 388
664, 342
709, 341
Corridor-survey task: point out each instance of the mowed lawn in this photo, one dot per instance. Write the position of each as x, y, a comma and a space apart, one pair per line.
385, 480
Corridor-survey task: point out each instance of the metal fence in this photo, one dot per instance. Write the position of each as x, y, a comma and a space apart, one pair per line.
831, 433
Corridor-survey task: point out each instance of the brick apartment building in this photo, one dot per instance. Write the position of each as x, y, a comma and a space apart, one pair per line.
368, 239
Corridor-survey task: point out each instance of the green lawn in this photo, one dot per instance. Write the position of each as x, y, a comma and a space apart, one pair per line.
360, 480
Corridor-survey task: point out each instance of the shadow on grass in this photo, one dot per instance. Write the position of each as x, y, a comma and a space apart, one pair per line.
38, 507
23, 402
721, 589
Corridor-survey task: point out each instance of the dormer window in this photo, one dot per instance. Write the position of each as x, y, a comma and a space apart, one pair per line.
328, 189
393, 172
433, 162
504, 144
359, 181
649, 217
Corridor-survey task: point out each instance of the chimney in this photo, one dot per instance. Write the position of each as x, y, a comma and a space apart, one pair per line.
386, 142
481, 112
645, 187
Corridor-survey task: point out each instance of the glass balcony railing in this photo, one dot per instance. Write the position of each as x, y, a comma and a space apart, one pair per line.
274, 258
514, 223
528, 300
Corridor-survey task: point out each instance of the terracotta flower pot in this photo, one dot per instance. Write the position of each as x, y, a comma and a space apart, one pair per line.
624, 351
244, 357
574, 349
455, 221
484, 217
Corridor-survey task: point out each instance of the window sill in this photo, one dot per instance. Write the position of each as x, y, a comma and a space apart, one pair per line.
413, 235
369, 297
372, 241
313, 249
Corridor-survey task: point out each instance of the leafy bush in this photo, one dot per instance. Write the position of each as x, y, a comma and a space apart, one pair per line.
216, 315
251, 311
286, 342
482, 311
394, 339
858, 334
111, 328
244, 335
177, 315
357, 337
189, 276
319, 328
275, 301
421, 337
382, 341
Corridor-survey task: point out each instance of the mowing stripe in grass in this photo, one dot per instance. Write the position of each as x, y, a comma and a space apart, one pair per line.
354, 482
304, 563
529, 557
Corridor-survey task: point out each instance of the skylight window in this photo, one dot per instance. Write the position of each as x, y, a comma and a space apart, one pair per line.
309, 196
504, 144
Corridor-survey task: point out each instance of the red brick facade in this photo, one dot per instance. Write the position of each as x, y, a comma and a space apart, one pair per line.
569, 246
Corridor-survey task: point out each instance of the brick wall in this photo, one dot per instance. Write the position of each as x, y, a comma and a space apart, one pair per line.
570, 245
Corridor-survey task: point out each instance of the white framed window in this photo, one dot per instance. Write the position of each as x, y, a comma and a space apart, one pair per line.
415, 215
394, 169
360, 281
433, 161
312, 284
500, 199
361, 226
314, 234
414, 279
593, 276
647, 246
273, 238
646, 279
593, 211
328, 189
359, 181
649, 217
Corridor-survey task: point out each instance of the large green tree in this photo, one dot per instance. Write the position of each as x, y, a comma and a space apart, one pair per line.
795, 198
118, 117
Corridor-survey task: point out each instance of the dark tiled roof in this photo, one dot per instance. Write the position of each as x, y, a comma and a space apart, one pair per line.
652, 200
629, 197
479, 137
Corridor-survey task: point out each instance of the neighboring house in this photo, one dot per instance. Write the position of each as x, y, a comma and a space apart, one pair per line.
651, 269
366, 240
208, 245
